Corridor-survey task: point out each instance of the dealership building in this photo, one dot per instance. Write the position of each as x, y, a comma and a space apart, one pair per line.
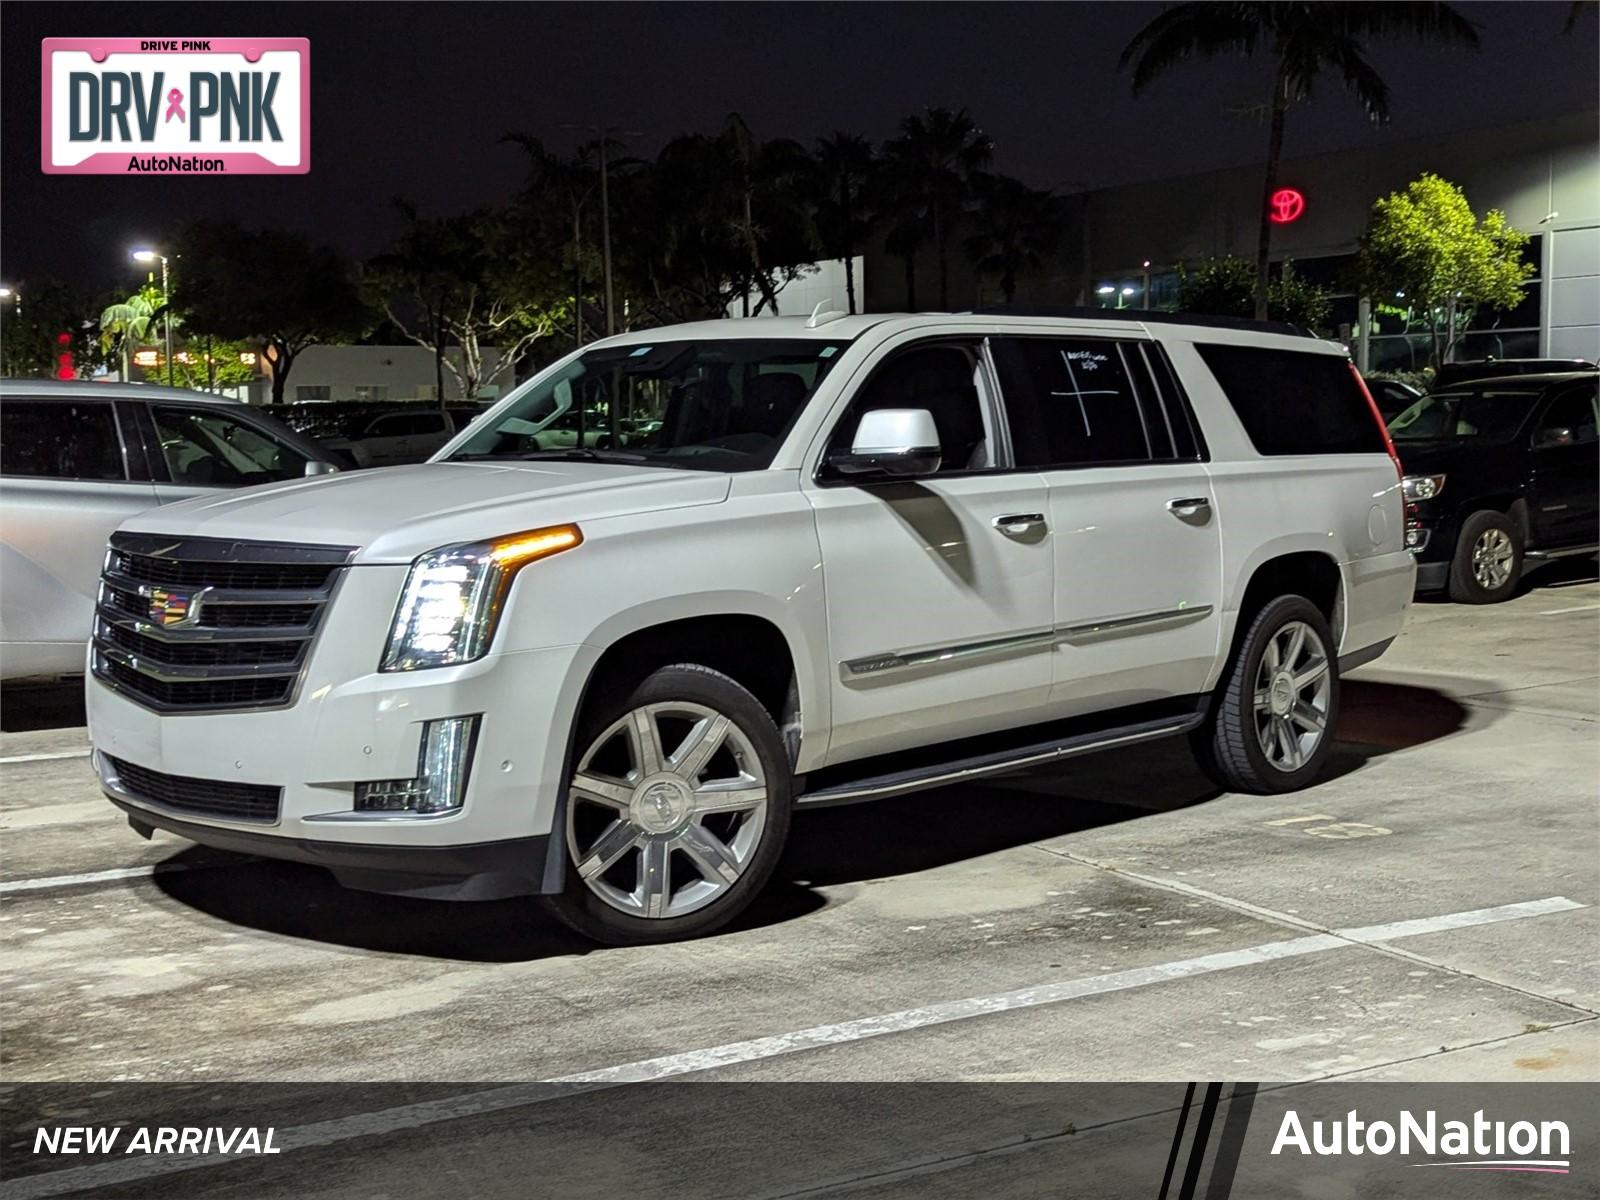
1121, 245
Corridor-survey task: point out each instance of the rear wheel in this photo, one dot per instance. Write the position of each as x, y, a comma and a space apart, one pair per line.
1270, 727
1488, 559
676, 810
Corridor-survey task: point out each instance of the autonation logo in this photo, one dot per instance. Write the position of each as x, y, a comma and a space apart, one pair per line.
1476, 1145
176, 106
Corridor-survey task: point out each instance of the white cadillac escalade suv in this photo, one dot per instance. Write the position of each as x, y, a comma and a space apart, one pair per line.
687, 579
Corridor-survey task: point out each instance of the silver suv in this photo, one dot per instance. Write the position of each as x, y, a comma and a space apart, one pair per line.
76, 460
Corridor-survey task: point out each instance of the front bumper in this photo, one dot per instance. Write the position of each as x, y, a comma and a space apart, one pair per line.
477, 871
350, 723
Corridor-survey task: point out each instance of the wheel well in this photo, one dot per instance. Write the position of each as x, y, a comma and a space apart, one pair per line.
751, 650
1306, 573
1512, 505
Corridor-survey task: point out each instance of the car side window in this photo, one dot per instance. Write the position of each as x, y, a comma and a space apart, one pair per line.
391, 425
940, 378
211, 449
1573, 411
1074, 402
53, 439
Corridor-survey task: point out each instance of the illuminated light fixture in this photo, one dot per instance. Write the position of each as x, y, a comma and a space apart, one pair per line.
1106, 289
453, 597
146, 358
1128, 291
1287, 204
248, 357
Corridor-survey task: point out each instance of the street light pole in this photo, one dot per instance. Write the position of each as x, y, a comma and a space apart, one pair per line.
150, 256
15, 296
604, 133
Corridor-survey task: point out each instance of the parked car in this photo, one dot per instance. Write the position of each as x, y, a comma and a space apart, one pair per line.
1499, 368
1499, 471
407, 435
76, 459
1392, 396
831, 560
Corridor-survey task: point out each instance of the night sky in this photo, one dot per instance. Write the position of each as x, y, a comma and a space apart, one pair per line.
411, 99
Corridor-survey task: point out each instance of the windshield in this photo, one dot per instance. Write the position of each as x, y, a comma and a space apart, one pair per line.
1490, 413
716, 405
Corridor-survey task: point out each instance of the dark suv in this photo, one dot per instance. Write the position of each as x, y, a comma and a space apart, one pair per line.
1498, 471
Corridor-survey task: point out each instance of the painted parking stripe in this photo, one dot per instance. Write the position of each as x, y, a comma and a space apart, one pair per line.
472, 1104
50, 757
1556, 612
64, 881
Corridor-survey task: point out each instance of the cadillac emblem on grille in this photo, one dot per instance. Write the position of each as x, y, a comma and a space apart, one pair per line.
168, 608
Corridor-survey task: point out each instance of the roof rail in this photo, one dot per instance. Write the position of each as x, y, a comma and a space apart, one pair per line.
1150, 316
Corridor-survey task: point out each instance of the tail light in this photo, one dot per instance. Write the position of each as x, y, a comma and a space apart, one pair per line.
1383, 428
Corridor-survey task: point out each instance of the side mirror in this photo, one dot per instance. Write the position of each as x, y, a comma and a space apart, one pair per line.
317, 467
1558, 435
892, 441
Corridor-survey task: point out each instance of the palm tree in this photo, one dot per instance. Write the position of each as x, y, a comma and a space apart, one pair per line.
945, 150
845, 162
126, 324
1304, 39
1016, 229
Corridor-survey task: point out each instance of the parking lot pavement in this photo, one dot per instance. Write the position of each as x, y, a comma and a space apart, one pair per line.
1424, 913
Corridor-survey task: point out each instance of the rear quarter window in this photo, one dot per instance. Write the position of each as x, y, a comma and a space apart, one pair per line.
1295, 403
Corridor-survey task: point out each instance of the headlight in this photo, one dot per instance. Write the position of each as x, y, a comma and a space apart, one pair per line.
453, 597
1423, 487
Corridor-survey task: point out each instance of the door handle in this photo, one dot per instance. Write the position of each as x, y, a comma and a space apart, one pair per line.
1187, 506
1018, 523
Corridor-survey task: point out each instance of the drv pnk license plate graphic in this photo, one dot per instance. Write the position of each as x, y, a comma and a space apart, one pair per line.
176, 106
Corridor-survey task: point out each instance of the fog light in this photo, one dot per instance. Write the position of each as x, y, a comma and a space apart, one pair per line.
1416, 538
440, 783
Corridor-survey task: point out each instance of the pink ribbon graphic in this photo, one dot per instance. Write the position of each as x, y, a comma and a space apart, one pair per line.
175, 106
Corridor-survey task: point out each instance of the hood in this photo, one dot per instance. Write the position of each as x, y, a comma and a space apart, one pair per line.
396, 513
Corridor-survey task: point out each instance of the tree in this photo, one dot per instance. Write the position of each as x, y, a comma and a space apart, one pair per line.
1016, 229
939, 154
844, 165
1225, 287
1426, 244
561, 189
129, 322
32, 321
483, 279
1303, 40
267, 286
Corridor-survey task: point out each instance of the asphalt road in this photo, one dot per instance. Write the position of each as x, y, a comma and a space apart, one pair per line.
1426, 913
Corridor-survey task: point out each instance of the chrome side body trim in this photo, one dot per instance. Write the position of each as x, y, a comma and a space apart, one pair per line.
880, 664
1110, 626
957, 655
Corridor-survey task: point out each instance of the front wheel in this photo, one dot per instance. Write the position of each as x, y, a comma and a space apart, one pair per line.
1270, 725
1488, 559
676, 809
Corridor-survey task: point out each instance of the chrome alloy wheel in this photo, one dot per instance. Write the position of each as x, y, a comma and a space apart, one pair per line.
1293, 687
1491, 559
657, 834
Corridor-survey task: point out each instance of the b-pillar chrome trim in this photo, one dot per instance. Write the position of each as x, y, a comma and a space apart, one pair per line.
891, 662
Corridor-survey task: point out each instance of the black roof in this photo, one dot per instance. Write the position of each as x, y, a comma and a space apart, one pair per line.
1144, 316
1511, 382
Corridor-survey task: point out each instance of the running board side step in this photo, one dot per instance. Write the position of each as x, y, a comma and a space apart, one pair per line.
963, 770
1563, 552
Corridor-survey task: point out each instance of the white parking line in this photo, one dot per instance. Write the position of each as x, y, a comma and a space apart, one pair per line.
452, 1108
61, 881
27, 758
1556, 612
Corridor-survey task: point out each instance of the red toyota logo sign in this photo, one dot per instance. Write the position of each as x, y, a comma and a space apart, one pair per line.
1286, 205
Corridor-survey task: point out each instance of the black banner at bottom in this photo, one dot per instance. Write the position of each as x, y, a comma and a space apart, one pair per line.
1150, 1141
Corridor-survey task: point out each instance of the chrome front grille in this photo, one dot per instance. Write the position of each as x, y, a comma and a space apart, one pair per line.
201, 624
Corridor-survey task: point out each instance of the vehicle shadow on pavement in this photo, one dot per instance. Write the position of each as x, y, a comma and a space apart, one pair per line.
828, 846
1547, 576
27, 707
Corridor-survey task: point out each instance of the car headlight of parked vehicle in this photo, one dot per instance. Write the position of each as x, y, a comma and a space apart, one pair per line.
453, 597
1423, 487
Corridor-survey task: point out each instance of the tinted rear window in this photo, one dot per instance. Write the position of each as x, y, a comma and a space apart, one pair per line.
1294, 403
59, 439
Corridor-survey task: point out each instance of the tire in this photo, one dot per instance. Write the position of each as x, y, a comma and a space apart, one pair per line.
660, 855
1276, 746
1488, 559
